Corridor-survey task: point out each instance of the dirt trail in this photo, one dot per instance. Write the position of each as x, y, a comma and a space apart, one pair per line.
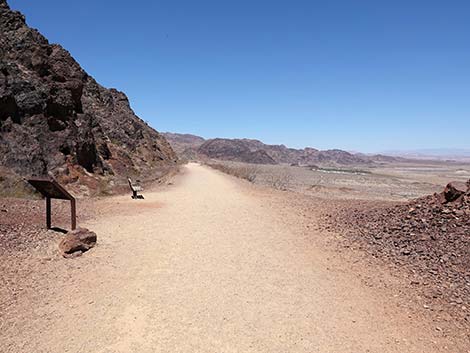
204, 266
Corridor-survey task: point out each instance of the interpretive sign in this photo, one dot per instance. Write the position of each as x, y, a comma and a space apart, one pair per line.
51, 189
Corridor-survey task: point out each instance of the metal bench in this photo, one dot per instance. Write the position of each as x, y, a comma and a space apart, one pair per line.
135, 188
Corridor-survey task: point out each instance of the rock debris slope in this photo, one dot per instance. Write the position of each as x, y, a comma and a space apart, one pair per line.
430, 234
56, 118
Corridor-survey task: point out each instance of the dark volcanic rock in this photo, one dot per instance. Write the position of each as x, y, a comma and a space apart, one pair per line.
56, 118
78, 240
453, 191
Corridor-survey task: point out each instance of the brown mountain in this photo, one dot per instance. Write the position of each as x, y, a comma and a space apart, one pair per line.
255, 151
181, 142
234, 150
55, 118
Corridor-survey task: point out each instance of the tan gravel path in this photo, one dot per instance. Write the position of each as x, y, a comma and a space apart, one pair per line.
204, 266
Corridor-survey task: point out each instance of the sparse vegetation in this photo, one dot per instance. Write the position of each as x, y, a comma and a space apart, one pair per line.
242, 171
277, 177
280, 180
12, 185
390, 182
341, 170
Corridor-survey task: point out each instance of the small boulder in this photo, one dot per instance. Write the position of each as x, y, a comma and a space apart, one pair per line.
454, 190
78, 240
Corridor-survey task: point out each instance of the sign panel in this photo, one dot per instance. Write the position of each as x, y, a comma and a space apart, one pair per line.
51, 189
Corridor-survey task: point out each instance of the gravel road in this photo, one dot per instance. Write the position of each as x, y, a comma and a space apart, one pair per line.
206, 266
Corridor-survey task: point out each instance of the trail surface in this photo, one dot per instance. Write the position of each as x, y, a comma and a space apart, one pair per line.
205, 266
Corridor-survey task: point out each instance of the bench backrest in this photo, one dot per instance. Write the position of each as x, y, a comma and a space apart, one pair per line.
134, 186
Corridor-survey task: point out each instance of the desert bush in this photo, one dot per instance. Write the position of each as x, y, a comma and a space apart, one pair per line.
276, 178
279, 180
247, 172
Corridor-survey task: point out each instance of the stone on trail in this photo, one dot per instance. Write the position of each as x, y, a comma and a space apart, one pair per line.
77, 241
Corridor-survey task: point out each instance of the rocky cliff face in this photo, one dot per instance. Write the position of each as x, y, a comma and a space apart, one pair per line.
55, 118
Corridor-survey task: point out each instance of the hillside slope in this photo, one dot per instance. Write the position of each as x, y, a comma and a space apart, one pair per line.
234, 150
181, 142
55, 118
255, 151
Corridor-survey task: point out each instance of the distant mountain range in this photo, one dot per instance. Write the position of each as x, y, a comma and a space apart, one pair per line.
189, 146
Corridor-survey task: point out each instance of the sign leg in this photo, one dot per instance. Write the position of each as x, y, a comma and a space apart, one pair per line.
48, 212
74, 213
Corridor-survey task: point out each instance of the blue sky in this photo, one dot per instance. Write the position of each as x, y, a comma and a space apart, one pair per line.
358, 75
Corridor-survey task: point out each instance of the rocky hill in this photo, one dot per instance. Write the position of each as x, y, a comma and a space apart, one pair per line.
181, 142
55, 118
234, 150
255, 151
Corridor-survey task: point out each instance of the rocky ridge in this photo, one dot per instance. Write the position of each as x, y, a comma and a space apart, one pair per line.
257, 152
234, 150
56, 119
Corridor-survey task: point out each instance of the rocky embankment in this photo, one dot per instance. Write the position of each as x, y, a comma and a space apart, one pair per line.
55, 118
429, 235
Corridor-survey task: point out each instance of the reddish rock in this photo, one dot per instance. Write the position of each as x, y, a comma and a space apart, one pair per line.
78, 240
454, 190
430, 236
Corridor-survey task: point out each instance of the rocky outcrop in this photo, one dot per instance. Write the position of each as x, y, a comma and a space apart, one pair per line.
55, 118
454, 191
77, 241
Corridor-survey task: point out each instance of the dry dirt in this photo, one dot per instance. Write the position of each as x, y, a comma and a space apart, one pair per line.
385, 182
212, 264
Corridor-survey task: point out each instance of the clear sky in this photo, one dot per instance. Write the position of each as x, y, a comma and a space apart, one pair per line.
361, 75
